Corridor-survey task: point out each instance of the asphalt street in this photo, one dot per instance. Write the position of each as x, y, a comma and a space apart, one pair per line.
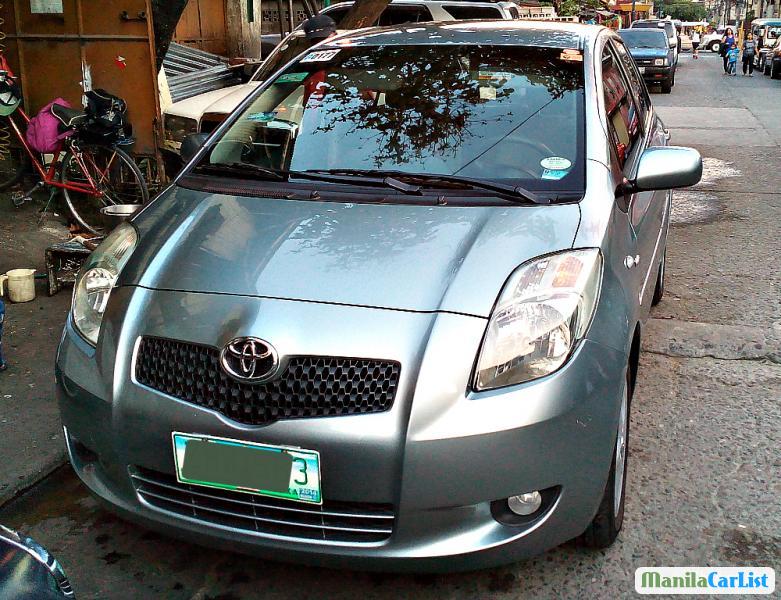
703, 484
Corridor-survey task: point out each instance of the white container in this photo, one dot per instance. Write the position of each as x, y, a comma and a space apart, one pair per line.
21, 284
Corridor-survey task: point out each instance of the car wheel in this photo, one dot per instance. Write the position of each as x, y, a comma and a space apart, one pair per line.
604, 529
713, 46
774, 72
667, 86
659, 289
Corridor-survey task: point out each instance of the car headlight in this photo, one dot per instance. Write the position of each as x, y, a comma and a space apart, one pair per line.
176, 128
96, 280
542, 312
660, 62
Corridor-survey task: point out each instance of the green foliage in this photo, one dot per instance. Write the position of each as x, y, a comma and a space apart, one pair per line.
568, 8
685, 10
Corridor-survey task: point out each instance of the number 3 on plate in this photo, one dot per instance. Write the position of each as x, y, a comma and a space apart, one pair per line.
302, 471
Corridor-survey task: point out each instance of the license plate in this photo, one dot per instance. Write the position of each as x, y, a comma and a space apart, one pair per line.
641, 69
277, 471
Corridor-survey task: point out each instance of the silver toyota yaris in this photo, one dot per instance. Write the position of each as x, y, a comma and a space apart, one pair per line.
389, 316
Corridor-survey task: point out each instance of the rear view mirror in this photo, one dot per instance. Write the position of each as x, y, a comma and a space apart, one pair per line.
191, 144
667, 167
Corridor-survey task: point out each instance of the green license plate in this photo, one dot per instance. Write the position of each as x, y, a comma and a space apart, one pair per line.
277, 471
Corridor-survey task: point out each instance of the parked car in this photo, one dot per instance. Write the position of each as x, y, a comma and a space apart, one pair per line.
712, 41
669, 28
203, 113
391, 314
765, 31
28, 571
654, 58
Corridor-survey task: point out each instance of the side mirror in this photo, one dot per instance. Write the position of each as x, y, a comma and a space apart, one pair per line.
191, 144
667, 167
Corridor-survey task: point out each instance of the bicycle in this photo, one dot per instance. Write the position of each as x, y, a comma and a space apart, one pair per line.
91, 175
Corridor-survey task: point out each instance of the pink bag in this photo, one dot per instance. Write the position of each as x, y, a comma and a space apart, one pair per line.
43, 133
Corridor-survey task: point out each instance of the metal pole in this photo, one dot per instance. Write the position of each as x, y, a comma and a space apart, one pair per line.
290, 14
634, 16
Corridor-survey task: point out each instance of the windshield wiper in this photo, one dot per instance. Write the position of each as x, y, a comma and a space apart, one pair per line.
514, 192
244, 169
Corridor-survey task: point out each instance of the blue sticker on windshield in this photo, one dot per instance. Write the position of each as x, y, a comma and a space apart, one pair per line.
554, 174
262, 117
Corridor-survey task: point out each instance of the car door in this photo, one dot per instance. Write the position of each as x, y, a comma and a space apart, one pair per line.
632, 127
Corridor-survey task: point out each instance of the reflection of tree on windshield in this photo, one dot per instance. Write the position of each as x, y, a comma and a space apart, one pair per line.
423, 101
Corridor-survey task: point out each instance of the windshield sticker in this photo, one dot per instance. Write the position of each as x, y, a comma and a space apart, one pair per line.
321, 56
554, 174
555, 163
291, 77
571, 55
262, 117
487, 93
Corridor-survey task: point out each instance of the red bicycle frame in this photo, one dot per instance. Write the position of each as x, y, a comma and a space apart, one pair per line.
48, 175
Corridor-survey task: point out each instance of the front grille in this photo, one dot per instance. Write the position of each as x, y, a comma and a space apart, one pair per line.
351, 522
309, 386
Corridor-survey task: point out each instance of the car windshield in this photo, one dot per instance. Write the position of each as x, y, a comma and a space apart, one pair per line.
644, 39
498, 113
661, 26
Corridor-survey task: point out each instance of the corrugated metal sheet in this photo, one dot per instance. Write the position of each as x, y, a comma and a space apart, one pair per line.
191, 71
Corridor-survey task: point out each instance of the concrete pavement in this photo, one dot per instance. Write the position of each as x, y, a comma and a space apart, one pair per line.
31, 443
703, 482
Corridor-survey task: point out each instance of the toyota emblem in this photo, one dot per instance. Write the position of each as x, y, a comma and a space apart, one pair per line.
249, 359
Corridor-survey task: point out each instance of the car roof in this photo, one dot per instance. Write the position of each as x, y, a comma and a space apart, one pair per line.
546, 34
653, 21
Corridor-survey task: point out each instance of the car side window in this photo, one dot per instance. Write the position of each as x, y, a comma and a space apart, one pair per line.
459, 12
399, 15
337, 14
642, 98
622, 114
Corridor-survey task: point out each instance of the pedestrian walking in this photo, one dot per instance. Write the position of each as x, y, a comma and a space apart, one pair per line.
749, 50
696, 43
727, 41
732, 57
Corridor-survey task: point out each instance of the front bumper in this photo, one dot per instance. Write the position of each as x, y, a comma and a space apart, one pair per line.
439, 456
656, 74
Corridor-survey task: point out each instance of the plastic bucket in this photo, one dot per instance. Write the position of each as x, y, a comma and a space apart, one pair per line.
20, 283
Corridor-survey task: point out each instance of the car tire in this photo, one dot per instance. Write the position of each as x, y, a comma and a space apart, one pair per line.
606, 525
774, 72
659, 289
667, 86
713, 46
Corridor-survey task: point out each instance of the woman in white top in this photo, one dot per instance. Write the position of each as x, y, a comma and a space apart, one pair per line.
696, 43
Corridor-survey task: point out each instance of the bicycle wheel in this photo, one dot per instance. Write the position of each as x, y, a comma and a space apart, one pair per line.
14, 161
113, 172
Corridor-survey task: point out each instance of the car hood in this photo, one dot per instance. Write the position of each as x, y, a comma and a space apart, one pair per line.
223, 100
648, 52
405, 257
